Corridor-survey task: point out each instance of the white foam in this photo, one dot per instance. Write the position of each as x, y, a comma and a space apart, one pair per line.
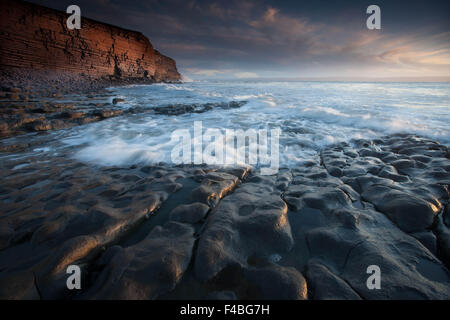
311, 115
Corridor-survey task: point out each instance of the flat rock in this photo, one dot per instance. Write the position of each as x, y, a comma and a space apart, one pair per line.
149, 269
189, 213
325, 285
237, 227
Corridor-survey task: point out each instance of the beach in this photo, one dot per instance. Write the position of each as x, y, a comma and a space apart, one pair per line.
87, 179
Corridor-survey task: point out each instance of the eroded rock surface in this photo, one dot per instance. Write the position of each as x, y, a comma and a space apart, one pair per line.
196, 232
149, 269
22, 116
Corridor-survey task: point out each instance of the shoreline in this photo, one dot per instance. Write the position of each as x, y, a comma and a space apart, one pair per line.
40, 84
165, 231
382, 202
29, 100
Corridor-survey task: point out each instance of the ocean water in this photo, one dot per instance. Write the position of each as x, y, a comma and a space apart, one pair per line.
310, 115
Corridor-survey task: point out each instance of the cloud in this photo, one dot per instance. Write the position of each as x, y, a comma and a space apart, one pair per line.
225, 73
277, 38
269, 16
205, 72
243, 75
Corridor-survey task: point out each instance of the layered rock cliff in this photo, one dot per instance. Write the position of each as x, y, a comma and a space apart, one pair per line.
34, 37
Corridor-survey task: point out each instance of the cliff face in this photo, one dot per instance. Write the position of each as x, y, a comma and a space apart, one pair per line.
37, 38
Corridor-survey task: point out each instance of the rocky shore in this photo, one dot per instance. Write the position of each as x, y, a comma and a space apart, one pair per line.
27, 84
20, 114
200, 232
41, 59
196, 232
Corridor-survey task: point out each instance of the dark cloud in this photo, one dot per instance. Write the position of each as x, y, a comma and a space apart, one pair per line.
286, 38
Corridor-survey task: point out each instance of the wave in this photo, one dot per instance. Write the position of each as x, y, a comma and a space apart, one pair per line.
310, 116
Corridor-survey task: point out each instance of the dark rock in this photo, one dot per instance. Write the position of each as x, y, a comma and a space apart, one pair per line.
409, 212
189, 213
443, 243
447, 215
214, 187
260, 235
149, 269
6, 234
428, 239
247, 217
325, 285
41, 125
178, 109
107, 113
276, 283
73, 114
117, 100
18, 286
4, 126
222, 295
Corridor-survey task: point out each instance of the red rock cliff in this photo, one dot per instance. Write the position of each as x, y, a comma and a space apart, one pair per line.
36, 37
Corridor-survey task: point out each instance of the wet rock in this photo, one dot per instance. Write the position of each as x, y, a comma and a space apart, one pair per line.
325, 285
178, 109
73, 114
214, 186
18, 286
41, 125
409, 212
107, 113
117, 100
148, 269
57, 124
325, 198
333, 242
244, 217
257, 235
6, 234
447, 215
443, 243
348, 236
336, 172
408, 272
189, 213
222, 295
241, 173
276, 283
15, 90
4, 126
71, 251
88, 119
37, 116
69, 217
428, 239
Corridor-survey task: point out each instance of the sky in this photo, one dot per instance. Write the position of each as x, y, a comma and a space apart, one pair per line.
286, 39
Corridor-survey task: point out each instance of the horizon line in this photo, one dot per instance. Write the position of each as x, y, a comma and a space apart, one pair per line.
342, 79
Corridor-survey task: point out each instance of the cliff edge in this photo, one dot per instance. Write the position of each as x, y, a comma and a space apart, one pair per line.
35, 41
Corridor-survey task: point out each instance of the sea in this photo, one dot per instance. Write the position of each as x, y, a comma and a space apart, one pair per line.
309, 116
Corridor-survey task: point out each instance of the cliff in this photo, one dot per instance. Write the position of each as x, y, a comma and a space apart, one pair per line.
34, 37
